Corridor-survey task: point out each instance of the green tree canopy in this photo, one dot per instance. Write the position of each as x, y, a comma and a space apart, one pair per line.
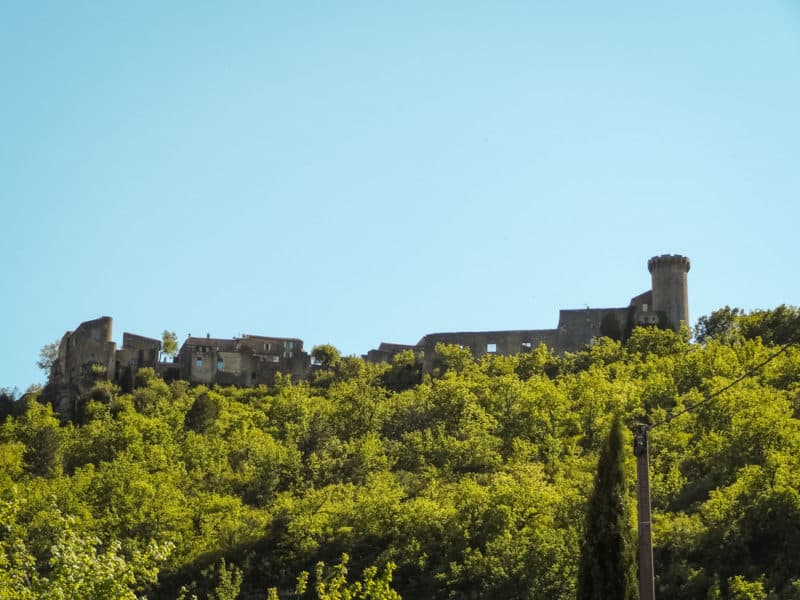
48, 356
169, 343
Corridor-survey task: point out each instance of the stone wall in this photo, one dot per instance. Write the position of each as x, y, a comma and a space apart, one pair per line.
487, 342
666, 304
84, 356
670, 288
88, 353
247, 361
578, 327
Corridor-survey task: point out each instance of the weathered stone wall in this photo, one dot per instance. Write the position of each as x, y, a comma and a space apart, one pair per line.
246, 361
132, 341
137, 352
89, 344
84, 355
670, 287
255, 360
386, 352
578, 327
486, 342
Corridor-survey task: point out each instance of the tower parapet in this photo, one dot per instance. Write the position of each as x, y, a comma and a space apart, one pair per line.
670, 288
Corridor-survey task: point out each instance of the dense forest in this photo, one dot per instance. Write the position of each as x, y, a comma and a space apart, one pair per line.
376, 481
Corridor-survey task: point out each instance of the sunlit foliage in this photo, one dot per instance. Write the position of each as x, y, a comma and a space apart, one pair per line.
468, 482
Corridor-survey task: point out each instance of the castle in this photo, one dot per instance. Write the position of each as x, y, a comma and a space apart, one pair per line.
88, 354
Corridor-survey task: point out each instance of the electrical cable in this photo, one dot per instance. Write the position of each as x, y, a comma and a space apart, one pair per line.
749, 373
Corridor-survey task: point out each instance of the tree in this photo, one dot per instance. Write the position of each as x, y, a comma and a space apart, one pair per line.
405, 372
48, 356
169, 343
780, 325
81, 569
331, 583
8, 401
202, 414
719, 325
326, 356
230, 581
326, 363
608, 567
39, 430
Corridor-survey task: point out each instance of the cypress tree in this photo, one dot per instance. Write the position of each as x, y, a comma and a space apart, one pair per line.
608, 557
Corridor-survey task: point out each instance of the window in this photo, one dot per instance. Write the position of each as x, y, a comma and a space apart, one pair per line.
219, 364
491, 347
199, 361
526, 346
644, 307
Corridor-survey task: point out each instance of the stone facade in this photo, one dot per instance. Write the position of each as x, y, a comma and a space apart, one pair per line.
670, 288
84, 356
247, 361
665, 304
88, 354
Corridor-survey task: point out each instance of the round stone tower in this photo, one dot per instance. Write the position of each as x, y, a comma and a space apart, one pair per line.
670, 292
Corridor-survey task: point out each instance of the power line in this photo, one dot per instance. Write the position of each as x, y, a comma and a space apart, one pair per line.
641, 451
749, 373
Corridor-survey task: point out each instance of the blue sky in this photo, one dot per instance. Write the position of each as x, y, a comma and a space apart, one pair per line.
352, 172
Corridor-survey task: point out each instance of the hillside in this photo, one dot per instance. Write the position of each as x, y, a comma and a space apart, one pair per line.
470, 482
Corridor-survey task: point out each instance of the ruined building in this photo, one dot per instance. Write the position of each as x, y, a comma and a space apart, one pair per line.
666, 304
246, 361
88, 354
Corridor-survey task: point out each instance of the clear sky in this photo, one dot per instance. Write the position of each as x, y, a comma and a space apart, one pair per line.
352, 172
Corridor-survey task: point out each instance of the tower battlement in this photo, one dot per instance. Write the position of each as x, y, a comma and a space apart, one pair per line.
669, 261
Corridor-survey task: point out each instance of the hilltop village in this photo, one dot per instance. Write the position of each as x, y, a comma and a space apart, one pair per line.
88, 353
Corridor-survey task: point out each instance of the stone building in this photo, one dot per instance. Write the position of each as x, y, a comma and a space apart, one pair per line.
665, 304
247, 361
88, 354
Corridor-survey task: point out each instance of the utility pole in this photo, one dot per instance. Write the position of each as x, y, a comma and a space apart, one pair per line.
647, 589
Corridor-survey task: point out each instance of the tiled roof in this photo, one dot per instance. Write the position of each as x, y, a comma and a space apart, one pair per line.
266, 338
248, 341
222, 344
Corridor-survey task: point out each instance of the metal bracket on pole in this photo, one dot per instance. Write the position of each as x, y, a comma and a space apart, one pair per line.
647, 589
